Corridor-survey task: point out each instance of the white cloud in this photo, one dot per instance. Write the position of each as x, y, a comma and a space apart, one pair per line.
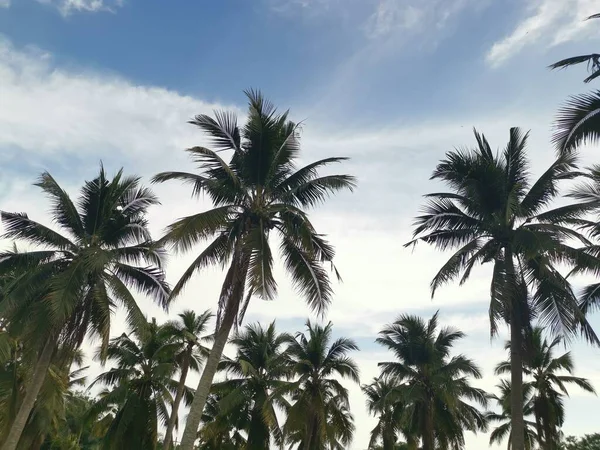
547, 23
67, 7
67, 120
4, 3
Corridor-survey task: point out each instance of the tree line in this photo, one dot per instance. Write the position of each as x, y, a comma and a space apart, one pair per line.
62, 285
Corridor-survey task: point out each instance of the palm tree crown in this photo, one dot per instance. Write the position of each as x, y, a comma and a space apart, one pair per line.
141, 386
256, 382
257, 192
82, 273
433, 386
320, 417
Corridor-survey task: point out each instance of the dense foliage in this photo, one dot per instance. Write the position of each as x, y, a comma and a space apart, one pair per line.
61, 287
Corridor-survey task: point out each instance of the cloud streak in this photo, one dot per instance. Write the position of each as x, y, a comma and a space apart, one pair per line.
68, 7
547, 23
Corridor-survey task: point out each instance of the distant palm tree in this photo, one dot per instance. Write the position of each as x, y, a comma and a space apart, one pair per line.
437, 388
81, 275
48, 412
259, 191
259, 370
141, 387
319, 417
493, 213
592, 60
187, 332
384, 400
220, 430
504, 429
547, 386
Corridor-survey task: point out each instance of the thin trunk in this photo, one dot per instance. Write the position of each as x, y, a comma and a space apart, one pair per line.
429, 434
31, 393
388, 441
516, 362
210, 369
177, 401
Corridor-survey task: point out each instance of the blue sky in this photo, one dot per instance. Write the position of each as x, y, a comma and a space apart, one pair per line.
392, 83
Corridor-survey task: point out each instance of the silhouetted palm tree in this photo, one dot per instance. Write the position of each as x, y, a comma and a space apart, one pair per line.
141, 387
319, 417
258, 191
504, 428
187, 331
494, 214
547, 385
82, 273
259, 371
435, 387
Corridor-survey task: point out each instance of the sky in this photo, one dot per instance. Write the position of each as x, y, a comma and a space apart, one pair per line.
393, 84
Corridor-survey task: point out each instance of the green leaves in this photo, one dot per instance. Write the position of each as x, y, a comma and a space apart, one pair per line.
577, 122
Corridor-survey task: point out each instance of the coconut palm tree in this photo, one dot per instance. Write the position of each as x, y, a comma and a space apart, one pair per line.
259, 370
437, 386
337, 430
141, 387
547, 385
592, 60
258, 191
384, 400
223, 431
492, 213
81, 273
504, 429
187, 331
319, 417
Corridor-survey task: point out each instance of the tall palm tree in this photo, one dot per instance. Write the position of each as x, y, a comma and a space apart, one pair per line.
592, 60
320, 414
384, 401
504, 429
258, 191
548, 385
577, 122
80, 274
438, 389
494, 214
259, 369
141, 387
187, 331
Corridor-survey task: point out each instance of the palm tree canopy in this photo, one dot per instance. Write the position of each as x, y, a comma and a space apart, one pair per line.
320, 413
256, 382
547, 384
258, 190
85, 270
384, 400
429, 381
140, 385
494, 213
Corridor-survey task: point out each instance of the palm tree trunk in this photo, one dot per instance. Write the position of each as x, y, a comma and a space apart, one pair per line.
208, 374
516, 381
428, 435
516, 362
388, 441
177, 401
33, 388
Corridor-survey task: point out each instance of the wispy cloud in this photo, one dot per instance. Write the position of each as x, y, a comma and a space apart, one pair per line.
67, 7
547, 23
4, 3
413, 16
